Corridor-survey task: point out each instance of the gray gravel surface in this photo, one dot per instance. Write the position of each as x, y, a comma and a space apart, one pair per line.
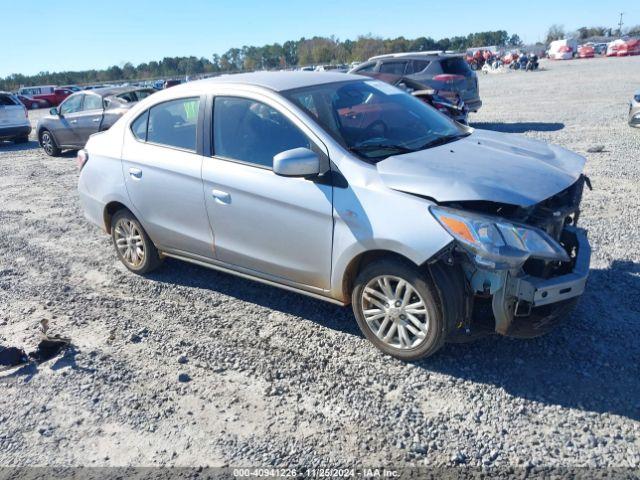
193, 367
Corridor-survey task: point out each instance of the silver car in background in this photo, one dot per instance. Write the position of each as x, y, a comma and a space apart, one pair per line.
84, 113
349, 190
14, 119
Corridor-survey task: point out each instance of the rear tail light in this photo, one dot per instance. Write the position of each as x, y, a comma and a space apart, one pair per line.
448, 78
82, 158
26, 113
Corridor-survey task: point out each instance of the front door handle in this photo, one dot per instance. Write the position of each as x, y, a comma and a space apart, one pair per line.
73, 121
135, 172
221, 197
96, 120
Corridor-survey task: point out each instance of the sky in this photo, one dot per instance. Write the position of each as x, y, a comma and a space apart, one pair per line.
62, 35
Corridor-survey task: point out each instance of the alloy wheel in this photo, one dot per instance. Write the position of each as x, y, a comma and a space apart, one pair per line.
129, 242
47, 143
395, 312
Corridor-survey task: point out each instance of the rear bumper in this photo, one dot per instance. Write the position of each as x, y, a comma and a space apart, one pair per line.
531, 306
14, 132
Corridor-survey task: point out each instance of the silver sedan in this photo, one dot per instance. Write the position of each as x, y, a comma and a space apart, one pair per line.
349, 190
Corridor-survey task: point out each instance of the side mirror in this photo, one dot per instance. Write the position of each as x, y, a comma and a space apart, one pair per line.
54, 111
298, 162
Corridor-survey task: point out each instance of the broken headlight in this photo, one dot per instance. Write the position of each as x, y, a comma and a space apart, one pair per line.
495, 242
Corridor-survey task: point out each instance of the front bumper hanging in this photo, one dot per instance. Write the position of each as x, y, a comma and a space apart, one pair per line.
517, 305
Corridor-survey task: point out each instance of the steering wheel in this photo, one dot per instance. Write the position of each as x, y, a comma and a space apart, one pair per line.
378, 129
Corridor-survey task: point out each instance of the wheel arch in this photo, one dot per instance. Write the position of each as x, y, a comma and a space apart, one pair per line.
109, 211
40, 130
360, 261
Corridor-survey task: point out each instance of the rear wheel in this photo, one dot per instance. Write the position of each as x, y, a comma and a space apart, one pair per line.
396, 308
49, 144
133, 246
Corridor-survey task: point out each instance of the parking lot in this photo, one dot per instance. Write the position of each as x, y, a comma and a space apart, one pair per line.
275, 378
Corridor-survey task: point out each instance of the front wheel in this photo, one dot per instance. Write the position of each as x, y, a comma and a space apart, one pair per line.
396, 309
49, 144
133, 246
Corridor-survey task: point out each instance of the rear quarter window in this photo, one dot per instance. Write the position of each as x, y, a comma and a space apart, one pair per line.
139, 126
455, 66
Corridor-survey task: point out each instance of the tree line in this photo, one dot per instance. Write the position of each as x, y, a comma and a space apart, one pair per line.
306, 51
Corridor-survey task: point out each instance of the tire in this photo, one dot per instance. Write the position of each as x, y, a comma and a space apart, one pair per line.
48, 144
132, 244
23, 139
422, 338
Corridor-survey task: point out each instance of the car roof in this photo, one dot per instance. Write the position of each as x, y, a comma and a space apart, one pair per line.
108, 91
277, 81
417, 55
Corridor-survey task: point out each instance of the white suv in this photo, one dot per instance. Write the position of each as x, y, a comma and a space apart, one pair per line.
14, 119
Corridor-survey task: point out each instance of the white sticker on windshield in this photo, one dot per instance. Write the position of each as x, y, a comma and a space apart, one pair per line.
385, 87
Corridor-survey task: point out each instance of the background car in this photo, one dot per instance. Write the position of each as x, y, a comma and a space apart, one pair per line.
32, 103
83, 114
563, 49
438, 70
451, 104
14, 119
634, 110
171, 83
586, 51
51, 94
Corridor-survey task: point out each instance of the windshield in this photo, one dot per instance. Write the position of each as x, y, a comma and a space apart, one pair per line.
374, 119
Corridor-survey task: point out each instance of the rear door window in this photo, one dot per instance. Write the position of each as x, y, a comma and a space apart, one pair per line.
252, 132
72, 104
174, 123
92, 102
420, 65
395, 68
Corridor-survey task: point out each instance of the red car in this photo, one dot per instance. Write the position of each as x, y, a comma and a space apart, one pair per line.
630, 47
586, 51
49, 93
32, 103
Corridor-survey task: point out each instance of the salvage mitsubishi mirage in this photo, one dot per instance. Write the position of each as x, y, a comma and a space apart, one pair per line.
350, 190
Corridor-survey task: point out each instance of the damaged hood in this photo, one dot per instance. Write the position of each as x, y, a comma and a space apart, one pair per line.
485, 165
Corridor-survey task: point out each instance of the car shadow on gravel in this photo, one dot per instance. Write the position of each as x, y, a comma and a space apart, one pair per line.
326, 314
17, 147
519, 127
590, 363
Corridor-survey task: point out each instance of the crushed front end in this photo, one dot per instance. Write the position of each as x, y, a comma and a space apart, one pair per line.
525, 267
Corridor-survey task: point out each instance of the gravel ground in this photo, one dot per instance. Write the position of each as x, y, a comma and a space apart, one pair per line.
190, 367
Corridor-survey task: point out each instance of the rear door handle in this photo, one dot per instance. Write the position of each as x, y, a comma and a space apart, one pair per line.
221, 197
73, 121
135, 172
